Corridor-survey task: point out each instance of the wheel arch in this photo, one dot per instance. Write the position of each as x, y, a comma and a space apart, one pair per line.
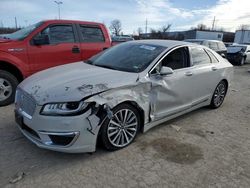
6, 66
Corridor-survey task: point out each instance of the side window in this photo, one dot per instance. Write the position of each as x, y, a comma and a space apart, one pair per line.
60, 34
199, 56
91, 34
213, 45
212, 56
177, 59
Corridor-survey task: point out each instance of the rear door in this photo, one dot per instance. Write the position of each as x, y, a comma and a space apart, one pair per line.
92, 40
62, 48
205, 75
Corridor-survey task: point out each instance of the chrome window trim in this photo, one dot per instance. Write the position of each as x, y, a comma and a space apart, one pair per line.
168, 52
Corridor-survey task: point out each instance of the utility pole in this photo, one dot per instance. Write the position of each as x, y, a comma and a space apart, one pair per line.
58, 4
213, 23
15, 22
146, 27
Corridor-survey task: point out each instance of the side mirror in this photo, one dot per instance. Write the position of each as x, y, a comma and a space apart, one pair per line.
166, 71
223, 55
41, 40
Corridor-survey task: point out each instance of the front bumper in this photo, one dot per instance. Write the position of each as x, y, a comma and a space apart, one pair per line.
59, 133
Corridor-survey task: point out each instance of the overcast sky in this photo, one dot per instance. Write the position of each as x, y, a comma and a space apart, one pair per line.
182, 14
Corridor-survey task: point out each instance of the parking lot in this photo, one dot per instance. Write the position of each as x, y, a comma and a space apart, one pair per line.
205, 148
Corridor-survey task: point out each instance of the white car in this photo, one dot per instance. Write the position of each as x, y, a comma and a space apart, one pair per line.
128, 88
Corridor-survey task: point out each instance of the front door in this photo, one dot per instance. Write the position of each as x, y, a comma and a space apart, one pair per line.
61, 48
172, 94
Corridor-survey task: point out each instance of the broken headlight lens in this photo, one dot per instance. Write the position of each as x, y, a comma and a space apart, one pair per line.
64, 109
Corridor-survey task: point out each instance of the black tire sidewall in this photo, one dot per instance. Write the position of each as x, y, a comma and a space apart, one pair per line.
14, 83
104, 137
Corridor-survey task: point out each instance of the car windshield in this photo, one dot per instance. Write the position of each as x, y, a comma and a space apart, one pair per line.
234, 49
128, 57
22, 33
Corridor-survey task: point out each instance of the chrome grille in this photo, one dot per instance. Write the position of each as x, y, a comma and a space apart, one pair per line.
25, 103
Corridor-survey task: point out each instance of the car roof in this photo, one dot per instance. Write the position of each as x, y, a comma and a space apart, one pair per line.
165, 43
71, 21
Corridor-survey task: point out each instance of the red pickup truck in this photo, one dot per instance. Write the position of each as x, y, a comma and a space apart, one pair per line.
46, 44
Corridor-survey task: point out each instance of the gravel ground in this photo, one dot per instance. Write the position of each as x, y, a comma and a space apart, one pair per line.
211, 149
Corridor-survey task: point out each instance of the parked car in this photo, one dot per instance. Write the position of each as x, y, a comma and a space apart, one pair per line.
215, 45
119, 39
128, 88
238, 54
44, 45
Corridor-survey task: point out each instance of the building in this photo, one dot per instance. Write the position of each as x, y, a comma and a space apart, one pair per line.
210, 35
242, 37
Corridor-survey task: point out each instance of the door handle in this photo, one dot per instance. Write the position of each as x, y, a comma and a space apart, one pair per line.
75, 50
214, 68
188, 73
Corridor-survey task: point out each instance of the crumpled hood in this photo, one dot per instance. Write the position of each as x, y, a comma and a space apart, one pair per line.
73, 82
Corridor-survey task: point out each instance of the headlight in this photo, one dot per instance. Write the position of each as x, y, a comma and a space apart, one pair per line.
64, 109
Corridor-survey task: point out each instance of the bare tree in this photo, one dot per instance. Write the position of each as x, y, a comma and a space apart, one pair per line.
161, 33
165, 28
201, 27
115, 27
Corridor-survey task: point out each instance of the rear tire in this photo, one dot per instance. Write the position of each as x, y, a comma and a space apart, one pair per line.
8, 85
219, 95
121, 130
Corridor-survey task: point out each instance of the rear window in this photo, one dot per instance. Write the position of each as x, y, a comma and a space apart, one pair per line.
91, 34
235, 49
213, 45
221, 46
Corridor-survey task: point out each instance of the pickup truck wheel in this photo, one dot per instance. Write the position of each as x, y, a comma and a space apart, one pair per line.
8, 84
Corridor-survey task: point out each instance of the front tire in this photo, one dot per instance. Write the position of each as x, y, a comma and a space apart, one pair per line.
219, 95
121, 130
8, 84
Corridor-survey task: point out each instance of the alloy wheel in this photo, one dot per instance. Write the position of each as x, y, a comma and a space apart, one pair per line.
122, 128
5, 89
219, 94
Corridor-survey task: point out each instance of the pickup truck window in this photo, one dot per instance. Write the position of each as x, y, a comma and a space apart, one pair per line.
59, 34
91, 34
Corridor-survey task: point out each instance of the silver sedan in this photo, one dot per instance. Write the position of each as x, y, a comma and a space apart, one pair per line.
113, 96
